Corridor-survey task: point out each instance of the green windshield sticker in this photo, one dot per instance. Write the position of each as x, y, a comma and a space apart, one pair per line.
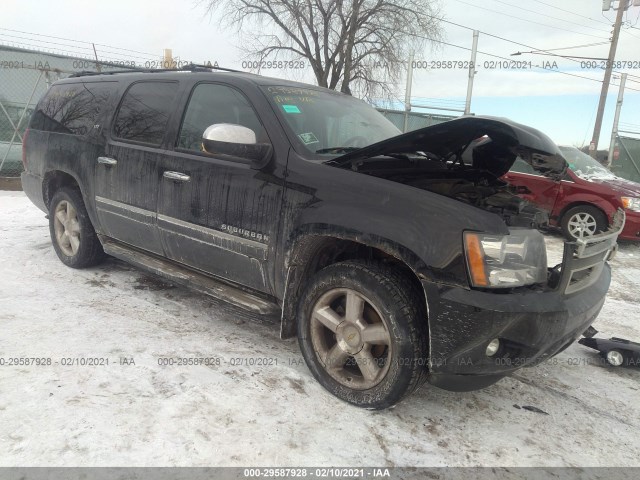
291, 108
308, 138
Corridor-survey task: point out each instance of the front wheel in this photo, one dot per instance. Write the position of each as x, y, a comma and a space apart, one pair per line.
362, 332
583, 221
72, 234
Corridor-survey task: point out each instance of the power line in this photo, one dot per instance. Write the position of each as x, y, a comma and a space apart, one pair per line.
45, 44
503, 38
576, 46
629, 33
78, 41
88, 54
76, 47
509, 60
527, 46
545, 69
573, 13
62, 51
530, 21
69, 50
83, 50
548, 16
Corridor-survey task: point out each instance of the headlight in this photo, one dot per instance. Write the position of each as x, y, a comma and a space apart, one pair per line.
631, 203
506, 261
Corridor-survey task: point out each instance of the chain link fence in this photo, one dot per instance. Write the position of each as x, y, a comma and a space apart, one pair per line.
24, 77
413, 120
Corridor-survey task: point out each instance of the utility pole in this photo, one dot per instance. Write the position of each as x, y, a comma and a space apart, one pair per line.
616, 119
407, 94
96, 55
593, 147
472, 72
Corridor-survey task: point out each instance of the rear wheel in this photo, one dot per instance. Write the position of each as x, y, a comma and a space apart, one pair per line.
362, 332
583, 221
72, 234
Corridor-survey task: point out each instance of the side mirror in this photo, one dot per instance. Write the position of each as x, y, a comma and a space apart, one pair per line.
236, 142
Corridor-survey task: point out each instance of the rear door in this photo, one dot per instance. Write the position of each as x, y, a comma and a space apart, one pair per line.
538, 189
127, 175
214, 214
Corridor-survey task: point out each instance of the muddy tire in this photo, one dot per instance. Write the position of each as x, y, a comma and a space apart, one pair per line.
362, 330
583, 221
72, 234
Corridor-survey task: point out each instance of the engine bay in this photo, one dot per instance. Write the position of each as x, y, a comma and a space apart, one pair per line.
473, 186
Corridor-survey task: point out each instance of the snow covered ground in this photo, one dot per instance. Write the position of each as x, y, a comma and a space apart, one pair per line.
231, 413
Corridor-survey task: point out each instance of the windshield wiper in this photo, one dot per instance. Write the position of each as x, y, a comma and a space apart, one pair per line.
336, 150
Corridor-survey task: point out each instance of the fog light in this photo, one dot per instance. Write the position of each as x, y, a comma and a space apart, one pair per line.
493, 347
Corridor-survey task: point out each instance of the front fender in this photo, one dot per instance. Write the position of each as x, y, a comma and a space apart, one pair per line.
304, 254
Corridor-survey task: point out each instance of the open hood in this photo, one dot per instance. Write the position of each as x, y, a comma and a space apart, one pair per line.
486, 143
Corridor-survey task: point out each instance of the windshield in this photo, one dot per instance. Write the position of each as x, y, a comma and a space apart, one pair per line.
584, 166
327, 124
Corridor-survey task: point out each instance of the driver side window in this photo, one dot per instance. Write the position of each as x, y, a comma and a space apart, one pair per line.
211, 104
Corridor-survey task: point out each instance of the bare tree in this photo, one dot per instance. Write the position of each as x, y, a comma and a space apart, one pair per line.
356, 46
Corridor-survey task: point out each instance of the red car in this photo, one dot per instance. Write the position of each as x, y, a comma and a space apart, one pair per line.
584, 200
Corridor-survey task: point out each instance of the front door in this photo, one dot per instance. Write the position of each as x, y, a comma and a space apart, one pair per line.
214, 214
538, 189
127, 175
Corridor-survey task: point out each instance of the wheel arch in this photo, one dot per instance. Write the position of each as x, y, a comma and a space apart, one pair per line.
53, 180
311, 252
605, 207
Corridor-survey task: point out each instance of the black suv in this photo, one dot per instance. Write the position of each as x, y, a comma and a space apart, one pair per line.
394, 258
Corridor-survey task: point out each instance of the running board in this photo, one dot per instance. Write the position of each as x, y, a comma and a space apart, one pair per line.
189, 278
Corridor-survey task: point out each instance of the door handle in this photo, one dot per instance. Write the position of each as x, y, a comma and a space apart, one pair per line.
176, 176
107, 161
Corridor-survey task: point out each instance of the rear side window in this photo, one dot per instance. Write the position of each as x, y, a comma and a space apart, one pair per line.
144, 112
73, 108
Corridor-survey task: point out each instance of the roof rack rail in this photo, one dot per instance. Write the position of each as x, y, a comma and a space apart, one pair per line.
192, 67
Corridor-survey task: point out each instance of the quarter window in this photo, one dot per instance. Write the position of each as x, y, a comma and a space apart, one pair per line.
211, 104
520, 166
72, 108
144, 112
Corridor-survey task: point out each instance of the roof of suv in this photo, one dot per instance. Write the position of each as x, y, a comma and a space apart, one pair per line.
200, 73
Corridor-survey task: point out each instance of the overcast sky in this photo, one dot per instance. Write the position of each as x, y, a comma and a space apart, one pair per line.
561, 105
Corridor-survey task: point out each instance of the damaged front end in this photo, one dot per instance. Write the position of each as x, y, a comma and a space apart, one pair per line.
584, 259
464, 159
478, 336
515, 311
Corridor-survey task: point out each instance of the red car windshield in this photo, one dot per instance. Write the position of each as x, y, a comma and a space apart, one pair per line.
584, 166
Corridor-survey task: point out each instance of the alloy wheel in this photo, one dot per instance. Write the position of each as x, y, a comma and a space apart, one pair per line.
67, 228
582, 225
351, 338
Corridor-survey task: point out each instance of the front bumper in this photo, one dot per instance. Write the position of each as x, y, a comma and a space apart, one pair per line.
631, 229
532, 325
